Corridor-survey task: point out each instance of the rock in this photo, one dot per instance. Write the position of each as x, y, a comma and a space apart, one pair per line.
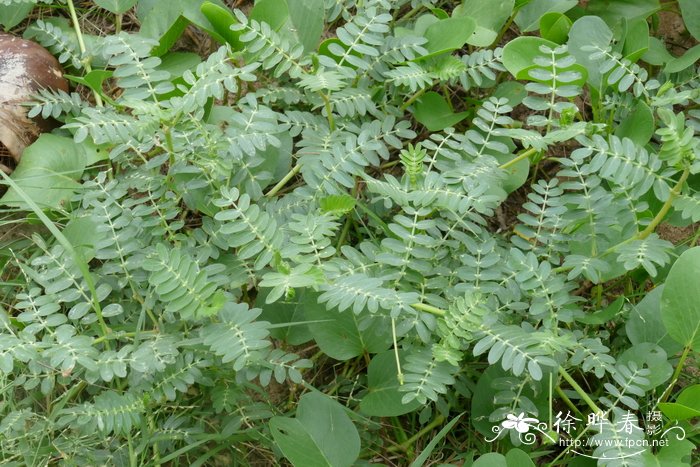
25, 68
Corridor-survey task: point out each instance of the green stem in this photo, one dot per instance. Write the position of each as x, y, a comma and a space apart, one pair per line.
675, 376
505, 28
295, 170
169, 145
579, 390
329, 113
344, 233
666, 207
399, 374
81, 45
562, 395
373, 215
413, 98
429, 309
409, 442
521, 156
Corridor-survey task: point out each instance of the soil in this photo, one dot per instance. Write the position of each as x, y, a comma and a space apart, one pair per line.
675, 234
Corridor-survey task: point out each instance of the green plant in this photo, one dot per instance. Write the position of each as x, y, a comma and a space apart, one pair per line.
211, 221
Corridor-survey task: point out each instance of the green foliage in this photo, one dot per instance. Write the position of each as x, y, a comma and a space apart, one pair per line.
217, 232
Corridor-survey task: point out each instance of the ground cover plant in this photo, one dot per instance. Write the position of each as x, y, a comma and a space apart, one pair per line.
355, 232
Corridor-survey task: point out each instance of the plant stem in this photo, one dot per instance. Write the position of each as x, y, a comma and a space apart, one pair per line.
344, 233
562, 395
429, 309
373, 215
413, 98
81, 45
399, 374
169, 145
521, 156
579, 390
329, 113
674, 378
666, 207
295, 170
504, 29
409, 442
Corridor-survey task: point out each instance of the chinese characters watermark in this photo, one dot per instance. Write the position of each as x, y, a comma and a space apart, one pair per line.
565, 431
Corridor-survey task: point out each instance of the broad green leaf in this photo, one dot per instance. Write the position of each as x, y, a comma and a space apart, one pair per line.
307, 20
288, 311
93, 80
678, 411
518, 54
680, 300
690, 396
483, 404
176, 63
638, 125
689, 58
221, 20
383, 398
296, 443
589, 31
12, 15
518, 458
327, 421
636, 39
512, 90
686, 406
337, 204
605, 315
116, 6
272, 12
516, 174
489, 15
423, 23
657, 54
433, 111
555, 27
650, 356
448, 34
691, 16
491, 459
676, 454
49, 170
323, 49
645, 325
82, 233
166, 21
277, 160
440, 13
612, 12
338, 334
162, 21
322, 434
528, 17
